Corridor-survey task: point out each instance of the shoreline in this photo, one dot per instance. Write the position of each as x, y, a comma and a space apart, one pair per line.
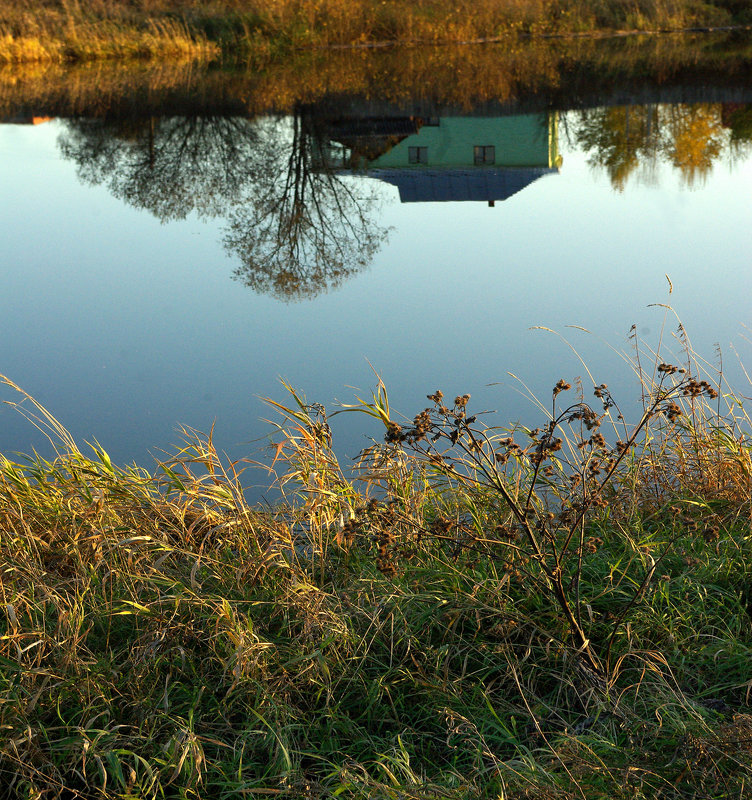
605, 34
403, 635
74, 36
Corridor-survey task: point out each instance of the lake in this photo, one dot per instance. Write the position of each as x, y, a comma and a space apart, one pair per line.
178, 239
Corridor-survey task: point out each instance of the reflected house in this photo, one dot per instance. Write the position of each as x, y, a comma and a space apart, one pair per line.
449, 158
25, 119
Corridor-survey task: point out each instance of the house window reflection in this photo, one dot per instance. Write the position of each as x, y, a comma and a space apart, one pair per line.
484, 154
417, 155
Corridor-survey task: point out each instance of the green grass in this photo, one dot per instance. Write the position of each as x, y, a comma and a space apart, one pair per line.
68, 30
393, 637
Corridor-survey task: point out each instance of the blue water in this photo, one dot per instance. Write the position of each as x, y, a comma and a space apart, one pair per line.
126, 327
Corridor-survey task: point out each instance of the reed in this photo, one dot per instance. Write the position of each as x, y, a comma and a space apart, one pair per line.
47, 34
59, 30
398, 634
450, 76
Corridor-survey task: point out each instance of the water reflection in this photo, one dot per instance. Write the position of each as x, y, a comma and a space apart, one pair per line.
301, 228
169, 166
288, 166
633, 140
299, 218
450, 158
296, 227
532, 76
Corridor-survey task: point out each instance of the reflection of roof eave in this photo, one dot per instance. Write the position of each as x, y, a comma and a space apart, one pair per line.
460, 184
372, 127
25, 119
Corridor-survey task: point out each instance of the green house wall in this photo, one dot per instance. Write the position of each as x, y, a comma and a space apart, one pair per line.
530, 140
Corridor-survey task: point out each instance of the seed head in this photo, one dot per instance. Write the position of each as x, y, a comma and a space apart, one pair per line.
667, 369
672, 411
422, 424
394, 433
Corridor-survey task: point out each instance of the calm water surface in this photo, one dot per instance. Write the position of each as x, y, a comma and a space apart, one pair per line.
166, 269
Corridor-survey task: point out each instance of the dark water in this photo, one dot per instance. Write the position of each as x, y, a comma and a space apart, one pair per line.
176, 241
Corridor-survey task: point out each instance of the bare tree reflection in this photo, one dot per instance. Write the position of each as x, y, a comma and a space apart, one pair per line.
170, 167
309, 228
296, 225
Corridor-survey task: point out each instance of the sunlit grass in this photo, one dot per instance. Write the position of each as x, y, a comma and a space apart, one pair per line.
452, 75
49, 30
87, 40
393, 635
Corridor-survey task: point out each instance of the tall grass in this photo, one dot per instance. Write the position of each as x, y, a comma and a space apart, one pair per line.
395, 635
451, 77
68, 30
37, 32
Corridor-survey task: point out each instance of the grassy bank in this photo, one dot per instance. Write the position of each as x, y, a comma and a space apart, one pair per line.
66, 30
449, 78
559, 612
40, 32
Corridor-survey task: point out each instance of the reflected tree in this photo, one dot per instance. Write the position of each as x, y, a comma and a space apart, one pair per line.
297, 226
691, 138
694, 138
618, 139
737, 117
306, 227
170, 166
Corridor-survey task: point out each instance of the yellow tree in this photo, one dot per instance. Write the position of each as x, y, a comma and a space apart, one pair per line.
694, 139
618, 139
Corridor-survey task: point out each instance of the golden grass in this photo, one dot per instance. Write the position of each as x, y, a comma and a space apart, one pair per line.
448, 76
388, 637
105, 39
56, 31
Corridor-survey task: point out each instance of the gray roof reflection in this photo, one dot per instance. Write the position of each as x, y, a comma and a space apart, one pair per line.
441, 185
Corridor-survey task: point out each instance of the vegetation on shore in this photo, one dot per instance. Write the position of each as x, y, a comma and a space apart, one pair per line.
68, 30
445, 78
556, 612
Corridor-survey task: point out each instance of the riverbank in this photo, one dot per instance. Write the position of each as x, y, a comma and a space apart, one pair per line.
58, 31
532, 76
550, 613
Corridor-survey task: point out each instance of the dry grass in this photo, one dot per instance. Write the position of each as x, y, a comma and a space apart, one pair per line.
72, 34
442, 77
68, 30
393, 636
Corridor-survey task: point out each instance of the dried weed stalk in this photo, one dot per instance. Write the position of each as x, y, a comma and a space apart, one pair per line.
553, 482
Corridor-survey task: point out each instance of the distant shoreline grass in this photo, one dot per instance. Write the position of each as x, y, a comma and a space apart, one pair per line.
67, 30
537, 613
77, 41
446, 76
